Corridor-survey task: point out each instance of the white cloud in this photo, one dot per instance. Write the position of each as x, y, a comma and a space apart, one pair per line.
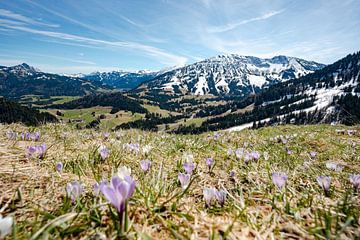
22, 19
164, 57
231, 26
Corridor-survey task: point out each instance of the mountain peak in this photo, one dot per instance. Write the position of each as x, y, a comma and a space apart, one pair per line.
25, 67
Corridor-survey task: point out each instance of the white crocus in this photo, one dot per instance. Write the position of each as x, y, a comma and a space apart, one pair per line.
5, 226
123, 172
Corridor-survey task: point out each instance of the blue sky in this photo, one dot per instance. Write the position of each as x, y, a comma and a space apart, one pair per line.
67, 36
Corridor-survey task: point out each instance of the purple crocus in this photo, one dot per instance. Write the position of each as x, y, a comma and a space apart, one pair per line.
118, 191
255, 155
188, 167
209, 162
11, 135
30, 151
209, 196
36, 136
220, 196
106, 135
37, 151
232, 174
132, 147
41, 150
184, 180
104, 152
145, 165
324, 182
313, 154
290, 152
279, 179
239, 153
97, 187
230, 152
59, 167
74, 190
355, 181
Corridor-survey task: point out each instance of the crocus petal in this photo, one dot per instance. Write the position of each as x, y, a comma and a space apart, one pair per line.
112, 197
5, 226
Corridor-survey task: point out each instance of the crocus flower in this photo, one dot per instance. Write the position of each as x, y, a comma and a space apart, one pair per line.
5, 226
230, 152
145, 165
209, 196
36, 136
106, 135
255, 155
74, 190
40, 151
123, 172
118, 192
290, 152
188, 157
184, 180
239, 153
266, 156
132, 147
334, 167
98, 186
209, 162
351, 132
188, 167
279, 179
30, 151
146, 149
220, 196
232, 174
59, 166
313, 154
104, 152
355, 181
11, 135
324, 182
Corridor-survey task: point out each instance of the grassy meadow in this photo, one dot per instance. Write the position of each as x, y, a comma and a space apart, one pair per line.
35, 192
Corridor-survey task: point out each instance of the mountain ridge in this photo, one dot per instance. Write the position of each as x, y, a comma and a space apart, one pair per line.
231, 74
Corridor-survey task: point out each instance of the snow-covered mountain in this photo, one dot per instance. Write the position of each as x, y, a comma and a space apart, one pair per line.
329, 95
121, 79
231, 74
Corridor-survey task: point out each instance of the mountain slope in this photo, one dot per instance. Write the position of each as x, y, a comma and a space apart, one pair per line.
116, 100
120, 79
23, 79
11, 112
331, 94
231, 74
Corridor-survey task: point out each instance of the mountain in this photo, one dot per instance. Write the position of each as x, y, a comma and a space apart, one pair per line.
231, 74
121, 79
329, 95
11, 112
23, 79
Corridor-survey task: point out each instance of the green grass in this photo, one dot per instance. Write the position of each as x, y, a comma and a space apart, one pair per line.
161, 209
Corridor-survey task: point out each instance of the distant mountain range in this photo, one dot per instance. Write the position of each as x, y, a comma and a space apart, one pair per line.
23, 80
231, 74
121, 80
221, 75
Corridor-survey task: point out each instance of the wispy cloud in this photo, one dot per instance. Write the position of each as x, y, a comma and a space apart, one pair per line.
22, 19
231, 26
164, 57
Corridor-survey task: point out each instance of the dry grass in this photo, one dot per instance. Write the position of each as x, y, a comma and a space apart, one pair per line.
34, 193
